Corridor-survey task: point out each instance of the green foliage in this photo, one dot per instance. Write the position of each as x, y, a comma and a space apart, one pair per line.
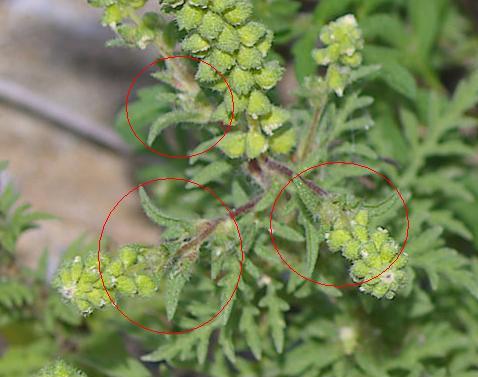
373, 89
14, 219
60, 369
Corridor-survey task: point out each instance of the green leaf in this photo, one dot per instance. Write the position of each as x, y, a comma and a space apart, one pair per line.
464, 98
445, 219
176, 280
211, 173
410, 125
309, 355
249, 327
313, 240
399, 78
26, 359
327, 10
425, 17
155, 214
284, 231
393, 73
449, 148
276, 322
441, 182
373, 27
304, 64
307, 197
227, 344
268, 196
169, 119
364, 71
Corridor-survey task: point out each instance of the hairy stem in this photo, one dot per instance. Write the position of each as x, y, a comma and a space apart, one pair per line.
210, 226
285, 171
309, 140
180, 71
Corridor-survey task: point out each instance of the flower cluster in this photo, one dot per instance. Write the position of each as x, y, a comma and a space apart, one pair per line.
342, 52
221, 33
134, 272
370, 253
60, 369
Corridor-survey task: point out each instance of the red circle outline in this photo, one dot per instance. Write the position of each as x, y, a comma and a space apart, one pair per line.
143, 70
338, 163
231, 215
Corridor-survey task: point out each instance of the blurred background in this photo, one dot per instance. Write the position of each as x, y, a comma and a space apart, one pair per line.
57, 83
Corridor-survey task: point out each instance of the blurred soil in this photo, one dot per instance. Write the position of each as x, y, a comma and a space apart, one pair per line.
55, 48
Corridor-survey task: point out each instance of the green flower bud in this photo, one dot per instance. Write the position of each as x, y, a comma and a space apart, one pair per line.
259, 104
234, 144
220, 114
76, 269
228, 40
250, 33
249, 58
337, 79
90, 276
266, 43
97, 298
240, 102
256, 144
59, 369
401, 261
322, 56
379, 237
211, 26
277, 117
146, 285
379, 290
351, 250
283, 142
126, 285
353, 60
268, 76
374, 261
360, 269
84, 307
128, 256
222, 61
206, 74
220, 86
361, 233
220, 6
195, 43
361, 218
344, 40
240, 13
337, 239
112, 16
115, 268
189, 17
84, 287
199, 3
241, 81
65, 276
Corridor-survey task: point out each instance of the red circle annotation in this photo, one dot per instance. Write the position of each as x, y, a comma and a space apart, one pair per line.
152, 64
231, 215
340, 286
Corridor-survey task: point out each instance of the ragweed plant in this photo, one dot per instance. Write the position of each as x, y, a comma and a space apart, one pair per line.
357, 102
